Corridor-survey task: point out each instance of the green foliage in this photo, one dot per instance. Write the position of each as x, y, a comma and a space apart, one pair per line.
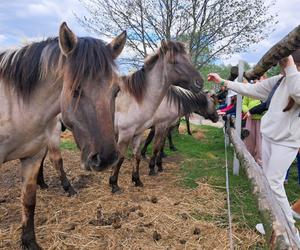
274, 71
221, 69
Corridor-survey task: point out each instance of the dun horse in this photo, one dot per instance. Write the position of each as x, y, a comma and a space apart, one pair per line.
140, 95
142, 92
177, 103
71, 75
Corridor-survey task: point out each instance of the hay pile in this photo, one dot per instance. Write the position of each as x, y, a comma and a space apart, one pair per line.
162, 215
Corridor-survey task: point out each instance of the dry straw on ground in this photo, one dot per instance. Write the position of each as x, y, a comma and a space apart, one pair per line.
162, 215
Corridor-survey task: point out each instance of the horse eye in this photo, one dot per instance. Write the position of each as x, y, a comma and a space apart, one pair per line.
78, 92
116, 91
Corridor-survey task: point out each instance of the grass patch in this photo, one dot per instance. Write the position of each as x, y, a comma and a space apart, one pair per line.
68, 145
204, 160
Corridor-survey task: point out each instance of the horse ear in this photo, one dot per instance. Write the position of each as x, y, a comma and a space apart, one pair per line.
164, 45
67, 39
117, 44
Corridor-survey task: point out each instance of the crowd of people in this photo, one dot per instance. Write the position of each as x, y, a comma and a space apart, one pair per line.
271, 115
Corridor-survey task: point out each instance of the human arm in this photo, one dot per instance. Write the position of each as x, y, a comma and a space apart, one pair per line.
231, 111
226, 108
259, 91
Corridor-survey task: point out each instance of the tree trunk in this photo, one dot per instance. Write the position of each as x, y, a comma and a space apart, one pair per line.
283, 48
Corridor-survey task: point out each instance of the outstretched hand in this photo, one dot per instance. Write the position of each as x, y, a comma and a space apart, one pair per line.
214, 77
286, 62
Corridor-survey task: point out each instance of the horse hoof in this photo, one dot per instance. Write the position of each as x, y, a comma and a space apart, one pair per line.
43, 185
30, 245
174, 149
139, 183
71, 192
116, 190
160, 169
152, 172
163, 155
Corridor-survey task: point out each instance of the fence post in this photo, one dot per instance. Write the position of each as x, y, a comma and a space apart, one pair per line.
238, 119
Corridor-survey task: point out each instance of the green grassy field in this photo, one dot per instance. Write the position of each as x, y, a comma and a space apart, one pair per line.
204, 160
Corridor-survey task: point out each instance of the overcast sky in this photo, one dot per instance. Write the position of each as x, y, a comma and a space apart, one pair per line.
23, 20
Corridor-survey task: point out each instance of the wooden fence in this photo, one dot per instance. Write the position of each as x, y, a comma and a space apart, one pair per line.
279, 233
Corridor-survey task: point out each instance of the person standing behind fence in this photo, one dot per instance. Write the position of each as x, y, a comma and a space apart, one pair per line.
280, 130
254, 140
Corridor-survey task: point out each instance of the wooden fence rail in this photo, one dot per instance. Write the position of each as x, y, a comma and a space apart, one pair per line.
279, 233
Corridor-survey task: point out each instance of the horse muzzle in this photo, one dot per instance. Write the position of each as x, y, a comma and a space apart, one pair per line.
97, 163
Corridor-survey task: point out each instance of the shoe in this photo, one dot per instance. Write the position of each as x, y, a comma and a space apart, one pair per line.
295, 215
260, 228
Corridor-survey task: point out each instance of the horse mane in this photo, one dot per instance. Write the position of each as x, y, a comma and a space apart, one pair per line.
91, 59
23, 69
185, 100
20, 69
173, 47
135, 83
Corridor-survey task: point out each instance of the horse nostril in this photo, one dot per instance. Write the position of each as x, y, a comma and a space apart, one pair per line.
95, 161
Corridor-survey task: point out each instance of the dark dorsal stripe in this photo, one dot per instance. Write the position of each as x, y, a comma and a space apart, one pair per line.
23, 69
185, 100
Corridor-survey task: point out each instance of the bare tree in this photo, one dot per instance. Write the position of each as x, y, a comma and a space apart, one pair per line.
211, 28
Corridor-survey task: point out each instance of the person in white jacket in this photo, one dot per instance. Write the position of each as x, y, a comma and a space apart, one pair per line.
280, 130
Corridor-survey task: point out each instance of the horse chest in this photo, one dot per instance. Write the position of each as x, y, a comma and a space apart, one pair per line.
21, 147
19, 139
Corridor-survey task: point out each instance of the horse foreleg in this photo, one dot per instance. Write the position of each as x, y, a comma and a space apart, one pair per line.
137, 155
40, 179
152, 162
113, 179
156, 149
187, 120
148, 141
56, 159
30, 169
160, 146
171, 144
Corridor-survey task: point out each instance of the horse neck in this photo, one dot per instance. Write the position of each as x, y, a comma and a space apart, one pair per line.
43, 104
51, 95
157, 86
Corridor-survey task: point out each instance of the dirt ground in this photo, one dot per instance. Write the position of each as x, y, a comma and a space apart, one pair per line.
162, 215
